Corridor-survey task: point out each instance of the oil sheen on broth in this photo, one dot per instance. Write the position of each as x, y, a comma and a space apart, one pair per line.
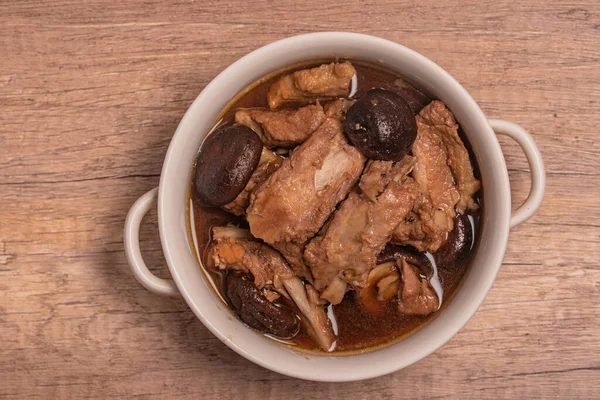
357, 328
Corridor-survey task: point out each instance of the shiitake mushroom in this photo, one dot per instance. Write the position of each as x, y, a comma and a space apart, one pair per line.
381, 125
453, 251
391, 253
457, 245
227, 159
415, 99
253, 308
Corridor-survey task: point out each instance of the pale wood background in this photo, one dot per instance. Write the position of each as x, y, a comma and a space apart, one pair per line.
90, 94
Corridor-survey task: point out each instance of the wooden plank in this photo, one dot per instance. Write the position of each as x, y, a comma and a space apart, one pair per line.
90, 95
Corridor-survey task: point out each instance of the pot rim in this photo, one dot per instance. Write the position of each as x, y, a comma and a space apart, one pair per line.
500, 204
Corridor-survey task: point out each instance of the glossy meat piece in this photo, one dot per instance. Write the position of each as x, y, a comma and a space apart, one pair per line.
337, 249
337, 108
434, 176
293, 253
283, 128
347, 248
416, 296
335, 291
293, 203
438, 115
308, 85
421, 229
268, 163
445, 176
234, 249
377, 175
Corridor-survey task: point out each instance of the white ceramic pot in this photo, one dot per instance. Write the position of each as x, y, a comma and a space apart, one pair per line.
188, 280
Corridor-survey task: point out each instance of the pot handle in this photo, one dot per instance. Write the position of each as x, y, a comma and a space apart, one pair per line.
536, 165
131, 238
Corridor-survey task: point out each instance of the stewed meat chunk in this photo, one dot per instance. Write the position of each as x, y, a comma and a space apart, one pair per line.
347, 249
439, 116
337, 108
445, 176
293, 203
283, 128
307, 85
417, 297
234, 249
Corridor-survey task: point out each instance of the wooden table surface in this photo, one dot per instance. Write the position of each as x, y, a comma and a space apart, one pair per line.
90, 94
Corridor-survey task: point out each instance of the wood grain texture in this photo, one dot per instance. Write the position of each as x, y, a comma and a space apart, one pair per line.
90, 94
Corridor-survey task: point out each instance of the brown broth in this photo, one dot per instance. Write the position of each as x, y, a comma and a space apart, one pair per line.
358, 330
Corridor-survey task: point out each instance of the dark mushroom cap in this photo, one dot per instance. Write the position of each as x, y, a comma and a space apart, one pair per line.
381, 125
226, 161
255, 310
457, 245
391, 253
415, 99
